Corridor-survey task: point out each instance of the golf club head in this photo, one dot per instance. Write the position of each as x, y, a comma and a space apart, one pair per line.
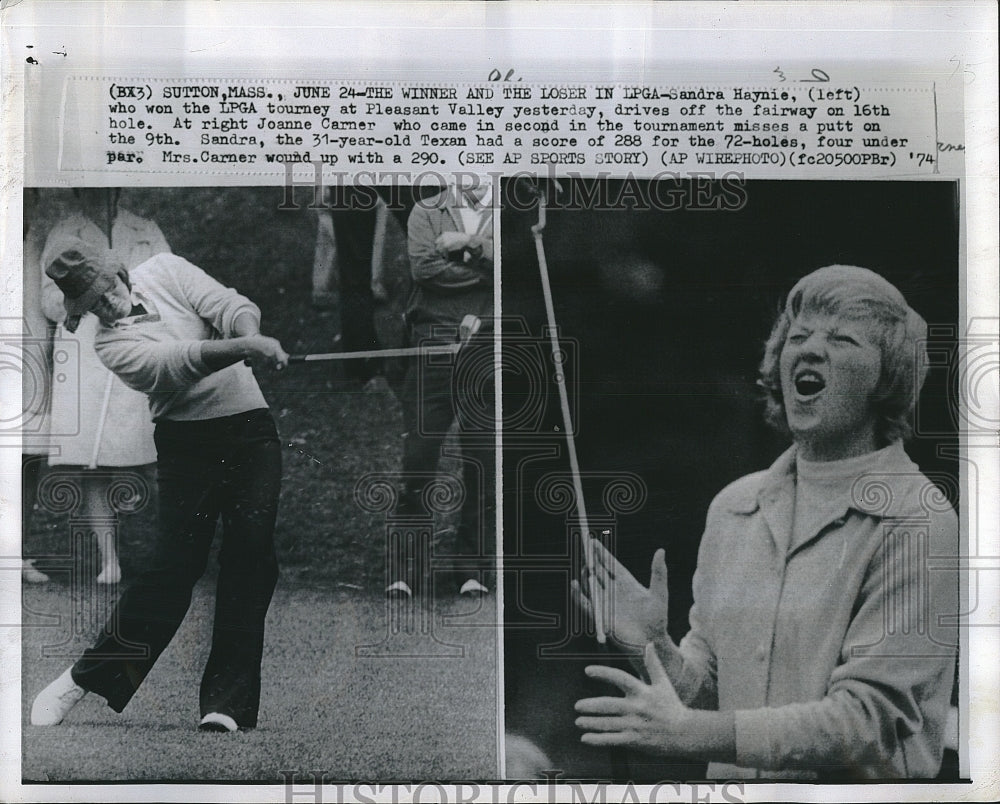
470, 325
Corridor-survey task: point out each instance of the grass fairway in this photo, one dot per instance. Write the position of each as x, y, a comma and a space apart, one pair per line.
382, 715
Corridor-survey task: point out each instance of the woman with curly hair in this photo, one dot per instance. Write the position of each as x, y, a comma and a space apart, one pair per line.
822, 641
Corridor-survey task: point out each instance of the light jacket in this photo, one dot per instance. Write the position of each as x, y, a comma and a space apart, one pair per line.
446, 289
837, 657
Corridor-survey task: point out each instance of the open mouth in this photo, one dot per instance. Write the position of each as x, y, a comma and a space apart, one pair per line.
808, 383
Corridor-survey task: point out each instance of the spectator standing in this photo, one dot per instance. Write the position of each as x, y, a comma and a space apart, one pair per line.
106, 425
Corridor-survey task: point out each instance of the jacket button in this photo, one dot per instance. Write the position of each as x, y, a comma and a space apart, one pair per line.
761, 653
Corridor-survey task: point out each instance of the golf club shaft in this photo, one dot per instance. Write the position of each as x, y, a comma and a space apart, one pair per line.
574, 464
620, 771
407, 351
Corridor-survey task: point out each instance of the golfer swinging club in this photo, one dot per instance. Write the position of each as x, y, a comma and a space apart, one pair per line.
170, 330
820, 645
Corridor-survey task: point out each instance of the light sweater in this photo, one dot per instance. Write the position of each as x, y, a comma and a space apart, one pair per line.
159, 352
823, 489
834, 644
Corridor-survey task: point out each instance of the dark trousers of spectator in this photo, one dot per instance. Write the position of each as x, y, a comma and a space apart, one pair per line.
355, 233
436, 392
228, 467
31, 467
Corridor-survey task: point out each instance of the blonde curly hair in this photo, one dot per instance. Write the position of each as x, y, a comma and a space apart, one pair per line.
858, 294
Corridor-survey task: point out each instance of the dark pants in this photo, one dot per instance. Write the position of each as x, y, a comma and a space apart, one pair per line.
434, 396
228, 467
354, 230
31, 467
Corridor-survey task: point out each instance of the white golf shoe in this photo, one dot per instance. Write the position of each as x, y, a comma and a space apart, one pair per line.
473, 588
53, 703
218, 722
31, 574
111, 574
398, 590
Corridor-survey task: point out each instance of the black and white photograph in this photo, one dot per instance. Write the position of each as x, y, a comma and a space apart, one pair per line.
259, 534
444, 400
727, 556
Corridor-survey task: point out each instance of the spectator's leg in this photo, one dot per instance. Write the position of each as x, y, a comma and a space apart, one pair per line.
95, 506
428, 412
379, 283
475, 409
355, 229
325, 286
31, 466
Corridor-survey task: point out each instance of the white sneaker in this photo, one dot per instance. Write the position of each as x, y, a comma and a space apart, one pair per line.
398, 590
472, 588
31, 574
110, 575
53, 703
216, 721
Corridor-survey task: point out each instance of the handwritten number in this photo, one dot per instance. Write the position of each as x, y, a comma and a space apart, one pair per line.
510, 75
818, 76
